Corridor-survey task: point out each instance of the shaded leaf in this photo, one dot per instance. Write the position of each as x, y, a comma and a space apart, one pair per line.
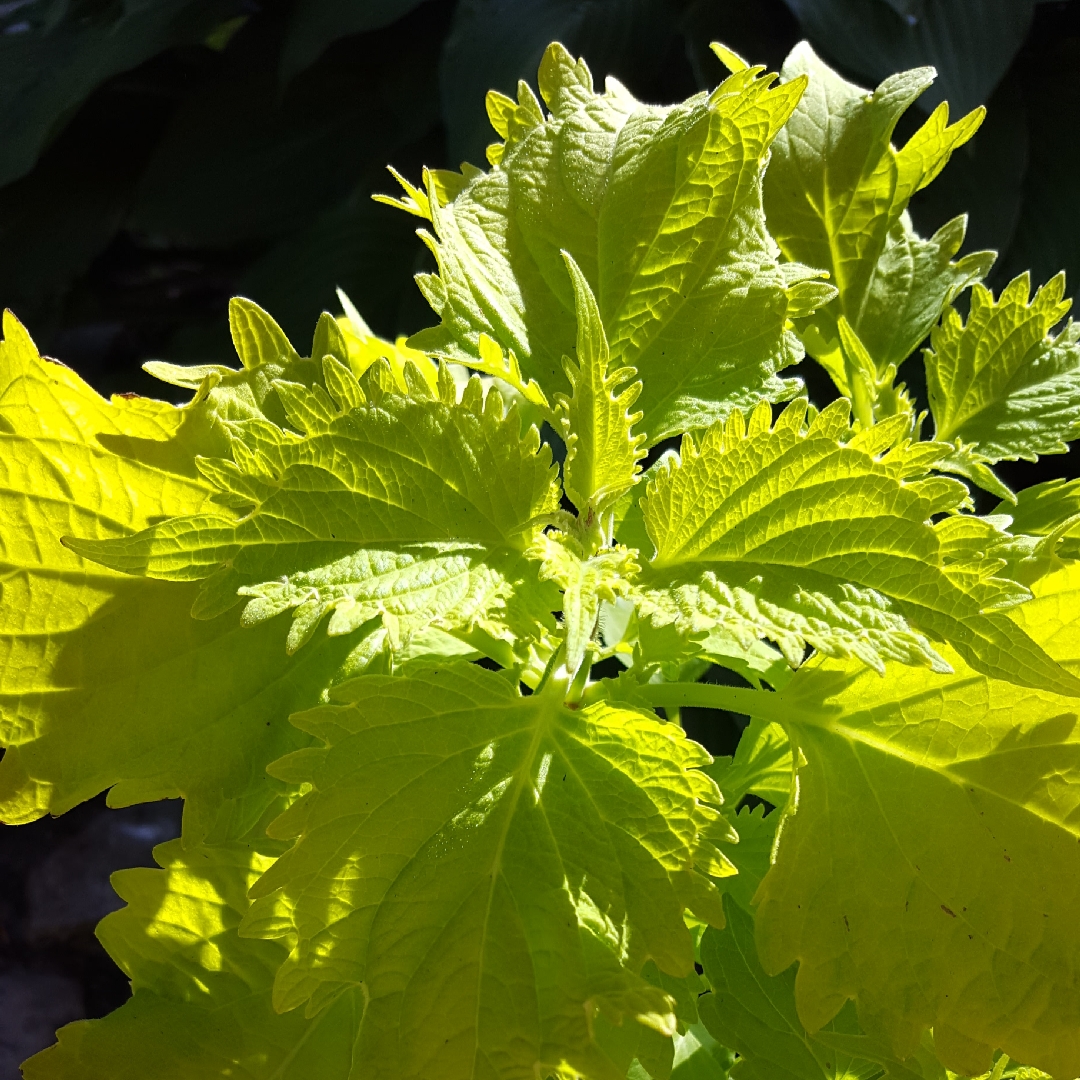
48, 70
315, 24
201, 994
564, 845
970, 42
756, 1015
1000, 382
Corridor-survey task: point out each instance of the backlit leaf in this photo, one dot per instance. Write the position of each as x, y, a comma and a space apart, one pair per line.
412, 511
106, 680
835, 197
601, 453
973, 929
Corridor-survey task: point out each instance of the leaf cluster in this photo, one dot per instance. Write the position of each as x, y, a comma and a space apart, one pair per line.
404, 666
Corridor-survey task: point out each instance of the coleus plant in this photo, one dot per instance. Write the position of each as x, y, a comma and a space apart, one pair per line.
349, 609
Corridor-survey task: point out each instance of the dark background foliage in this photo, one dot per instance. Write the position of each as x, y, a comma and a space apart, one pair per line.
159, 156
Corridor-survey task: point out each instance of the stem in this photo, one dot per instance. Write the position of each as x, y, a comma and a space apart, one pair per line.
762, 703
999, 1067
577, 687
553, 663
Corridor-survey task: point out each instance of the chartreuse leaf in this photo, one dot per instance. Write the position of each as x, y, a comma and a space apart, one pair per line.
364, 348
1050, 511
586, 581
602, 455
494, 869
756, 1015
408, 511
835, 197
973, 929
814, 536
201, 1003
753, 855
760, 766
105, 681
493, 361
224, 393
1000, 384
1042, 508
692, 296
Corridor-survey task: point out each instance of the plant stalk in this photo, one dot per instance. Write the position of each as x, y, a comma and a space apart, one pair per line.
761, 703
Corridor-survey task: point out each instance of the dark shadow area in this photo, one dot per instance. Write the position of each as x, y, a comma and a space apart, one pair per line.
54, 888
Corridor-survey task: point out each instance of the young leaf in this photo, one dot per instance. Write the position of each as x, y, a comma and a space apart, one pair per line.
201, 1003
601, 453
692, 297
224, 393
914, 279
1000, 383
494, 869
412, 511
492, 361
586, 582
835, 195
258, 340
820, 537
930, 870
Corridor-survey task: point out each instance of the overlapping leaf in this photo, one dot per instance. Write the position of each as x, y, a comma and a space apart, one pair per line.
1000, 383
266, 355
201, 1003
495, 869
692, 296
760, 766
835, 198
1051, 512
90, 654
411, 511
973, 929
362, 348
756, 1015
106, 680
823, 538
753, 854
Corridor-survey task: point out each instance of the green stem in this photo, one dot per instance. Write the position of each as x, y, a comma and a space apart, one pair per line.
577, 687
553, 663
762, 703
